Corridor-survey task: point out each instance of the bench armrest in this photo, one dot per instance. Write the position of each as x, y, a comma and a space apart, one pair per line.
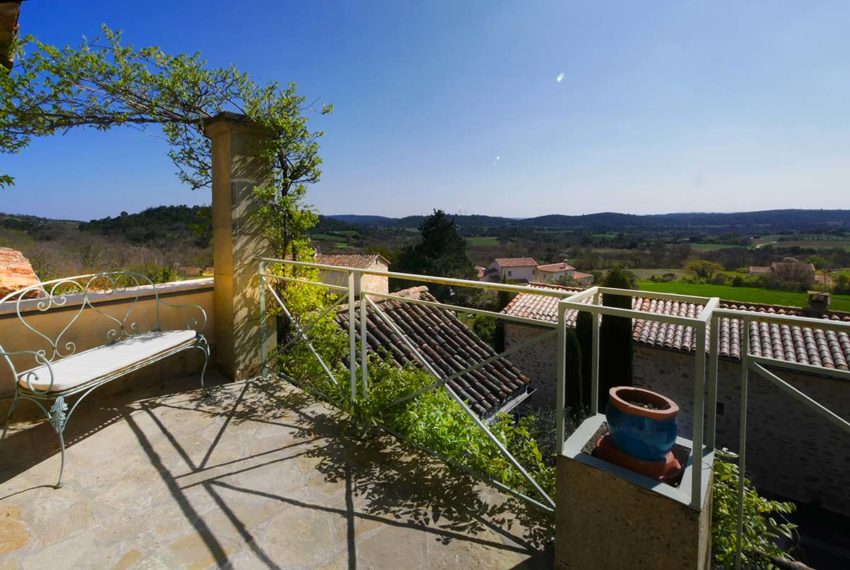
32, 374
198, 322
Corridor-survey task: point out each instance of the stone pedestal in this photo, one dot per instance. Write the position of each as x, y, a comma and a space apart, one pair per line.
609, 517
237, 243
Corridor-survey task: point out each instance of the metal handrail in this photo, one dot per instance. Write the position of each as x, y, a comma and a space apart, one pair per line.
355, 276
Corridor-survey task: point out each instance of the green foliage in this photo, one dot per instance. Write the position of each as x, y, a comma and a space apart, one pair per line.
103, 84
441, 251
702, 268
841, 283
158, 226
765, 526
432, 420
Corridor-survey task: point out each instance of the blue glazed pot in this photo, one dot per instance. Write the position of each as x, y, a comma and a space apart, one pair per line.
642, 422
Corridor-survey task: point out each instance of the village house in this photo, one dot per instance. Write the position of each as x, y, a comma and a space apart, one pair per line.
511, 270
560, 272
527, 270
789, 269
370, 261
790, 452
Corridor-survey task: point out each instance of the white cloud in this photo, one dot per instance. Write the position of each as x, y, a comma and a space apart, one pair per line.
560, 77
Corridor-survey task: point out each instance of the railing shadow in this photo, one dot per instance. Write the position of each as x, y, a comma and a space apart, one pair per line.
384, 482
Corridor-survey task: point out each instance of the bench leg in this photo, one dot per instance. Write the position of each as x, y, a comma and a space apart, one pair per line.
205, 348
9, 416
58, 418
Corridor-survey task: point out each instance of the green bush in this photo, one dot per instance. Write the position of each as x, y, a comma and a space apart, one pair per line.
765, 526
432, 420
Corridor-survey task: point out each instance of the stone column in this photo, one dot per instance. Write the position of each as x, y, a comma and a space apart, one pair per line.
237, 243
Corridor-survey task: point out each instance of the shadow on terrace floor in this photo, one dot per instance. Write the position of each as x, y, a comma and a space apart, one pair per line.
256, 474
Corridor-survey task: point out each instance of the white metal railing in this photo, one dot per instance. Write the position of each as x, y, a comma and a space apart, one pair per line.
700, 324
705, 325
358, 357
759, 365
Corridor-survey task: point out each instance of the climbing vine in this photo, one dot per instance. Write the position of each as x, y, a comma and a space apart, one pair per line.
104, 83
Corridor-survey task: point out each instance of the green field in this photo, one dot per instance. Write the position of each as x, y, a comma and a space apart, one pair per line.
482, 241
645, 274
745, 294
711, 246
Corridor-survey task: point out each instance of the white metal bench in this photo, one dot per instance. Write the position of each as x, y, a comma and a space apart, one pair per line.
55, 371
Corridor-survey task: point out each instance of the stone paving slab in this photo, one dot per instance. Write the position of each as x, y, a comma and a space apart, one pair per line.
257, 475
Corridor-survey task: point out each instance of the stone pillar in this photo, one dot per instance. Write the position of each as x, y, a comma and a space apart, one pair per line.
609, 517
237, 243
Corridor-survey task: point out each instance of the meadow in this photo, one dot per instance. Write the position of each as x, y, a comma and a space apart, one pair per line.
744, 294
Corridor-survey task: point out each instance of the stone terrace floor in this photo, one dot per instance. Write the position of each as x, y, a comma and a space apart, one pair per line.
257, 475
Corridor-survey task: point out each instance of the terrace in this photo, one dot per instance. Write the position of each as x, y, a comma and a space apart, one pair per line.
261, 472
257, 474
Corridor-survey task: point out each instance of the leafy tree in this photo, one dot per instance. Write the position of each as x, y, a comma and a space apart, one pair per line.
441, 251
841, 283
702, 268
103, 84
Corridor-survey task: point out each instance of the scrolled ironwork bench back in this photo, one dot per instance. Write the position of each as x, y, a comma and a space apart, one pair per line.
90, 295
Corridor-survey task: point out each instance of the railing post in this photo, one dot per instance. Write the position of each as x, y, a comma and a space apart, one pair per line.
561, 387
364, 339
594, 363
352, 340
742, 435
713, 364
263, 332
698, 416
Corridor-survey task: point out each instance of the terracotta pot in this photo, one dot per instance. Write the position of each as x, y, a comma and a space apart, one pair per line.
642, 422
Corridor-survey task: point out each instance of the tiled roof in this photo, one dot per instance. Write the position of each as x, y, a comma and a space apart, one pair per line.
516, 261
555, 267
355, 260
448, 345
805, 345
577, 275
15, 271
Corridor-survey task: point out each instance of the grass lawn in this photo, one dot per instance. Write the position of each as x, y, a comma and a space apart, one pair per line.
746, 294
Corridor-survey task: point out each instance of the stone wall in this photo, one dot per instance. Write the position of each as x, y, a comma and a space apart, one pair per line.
791, 451
536, 361
373, 283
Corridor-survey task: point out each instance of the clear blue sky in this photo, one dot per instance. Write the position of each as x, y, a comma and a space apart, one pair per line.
491, 107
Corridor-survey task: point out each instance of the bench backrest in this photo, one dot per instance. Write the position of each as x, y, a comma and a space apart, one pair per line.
91, 295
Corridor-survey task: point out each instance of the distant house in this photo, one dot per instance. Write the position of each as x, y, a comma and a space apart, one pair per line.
789, 269
555, 272
372, 261
511, 269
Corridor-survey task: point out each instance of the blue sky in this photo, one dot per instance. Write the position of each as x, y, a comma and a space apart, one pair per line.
504, 108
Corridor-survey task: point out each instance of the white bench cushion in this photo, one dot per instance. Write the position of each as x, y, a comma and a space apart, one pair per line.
90, 365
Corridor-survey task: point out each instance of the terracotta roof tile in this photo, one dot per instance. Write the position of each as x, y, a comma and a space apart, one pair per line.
555, 267
516, 261
805, 345
355, 260
448, 345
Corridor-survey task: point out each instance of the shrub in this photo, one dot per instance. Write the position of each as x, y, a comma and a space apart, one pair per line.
765, 526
